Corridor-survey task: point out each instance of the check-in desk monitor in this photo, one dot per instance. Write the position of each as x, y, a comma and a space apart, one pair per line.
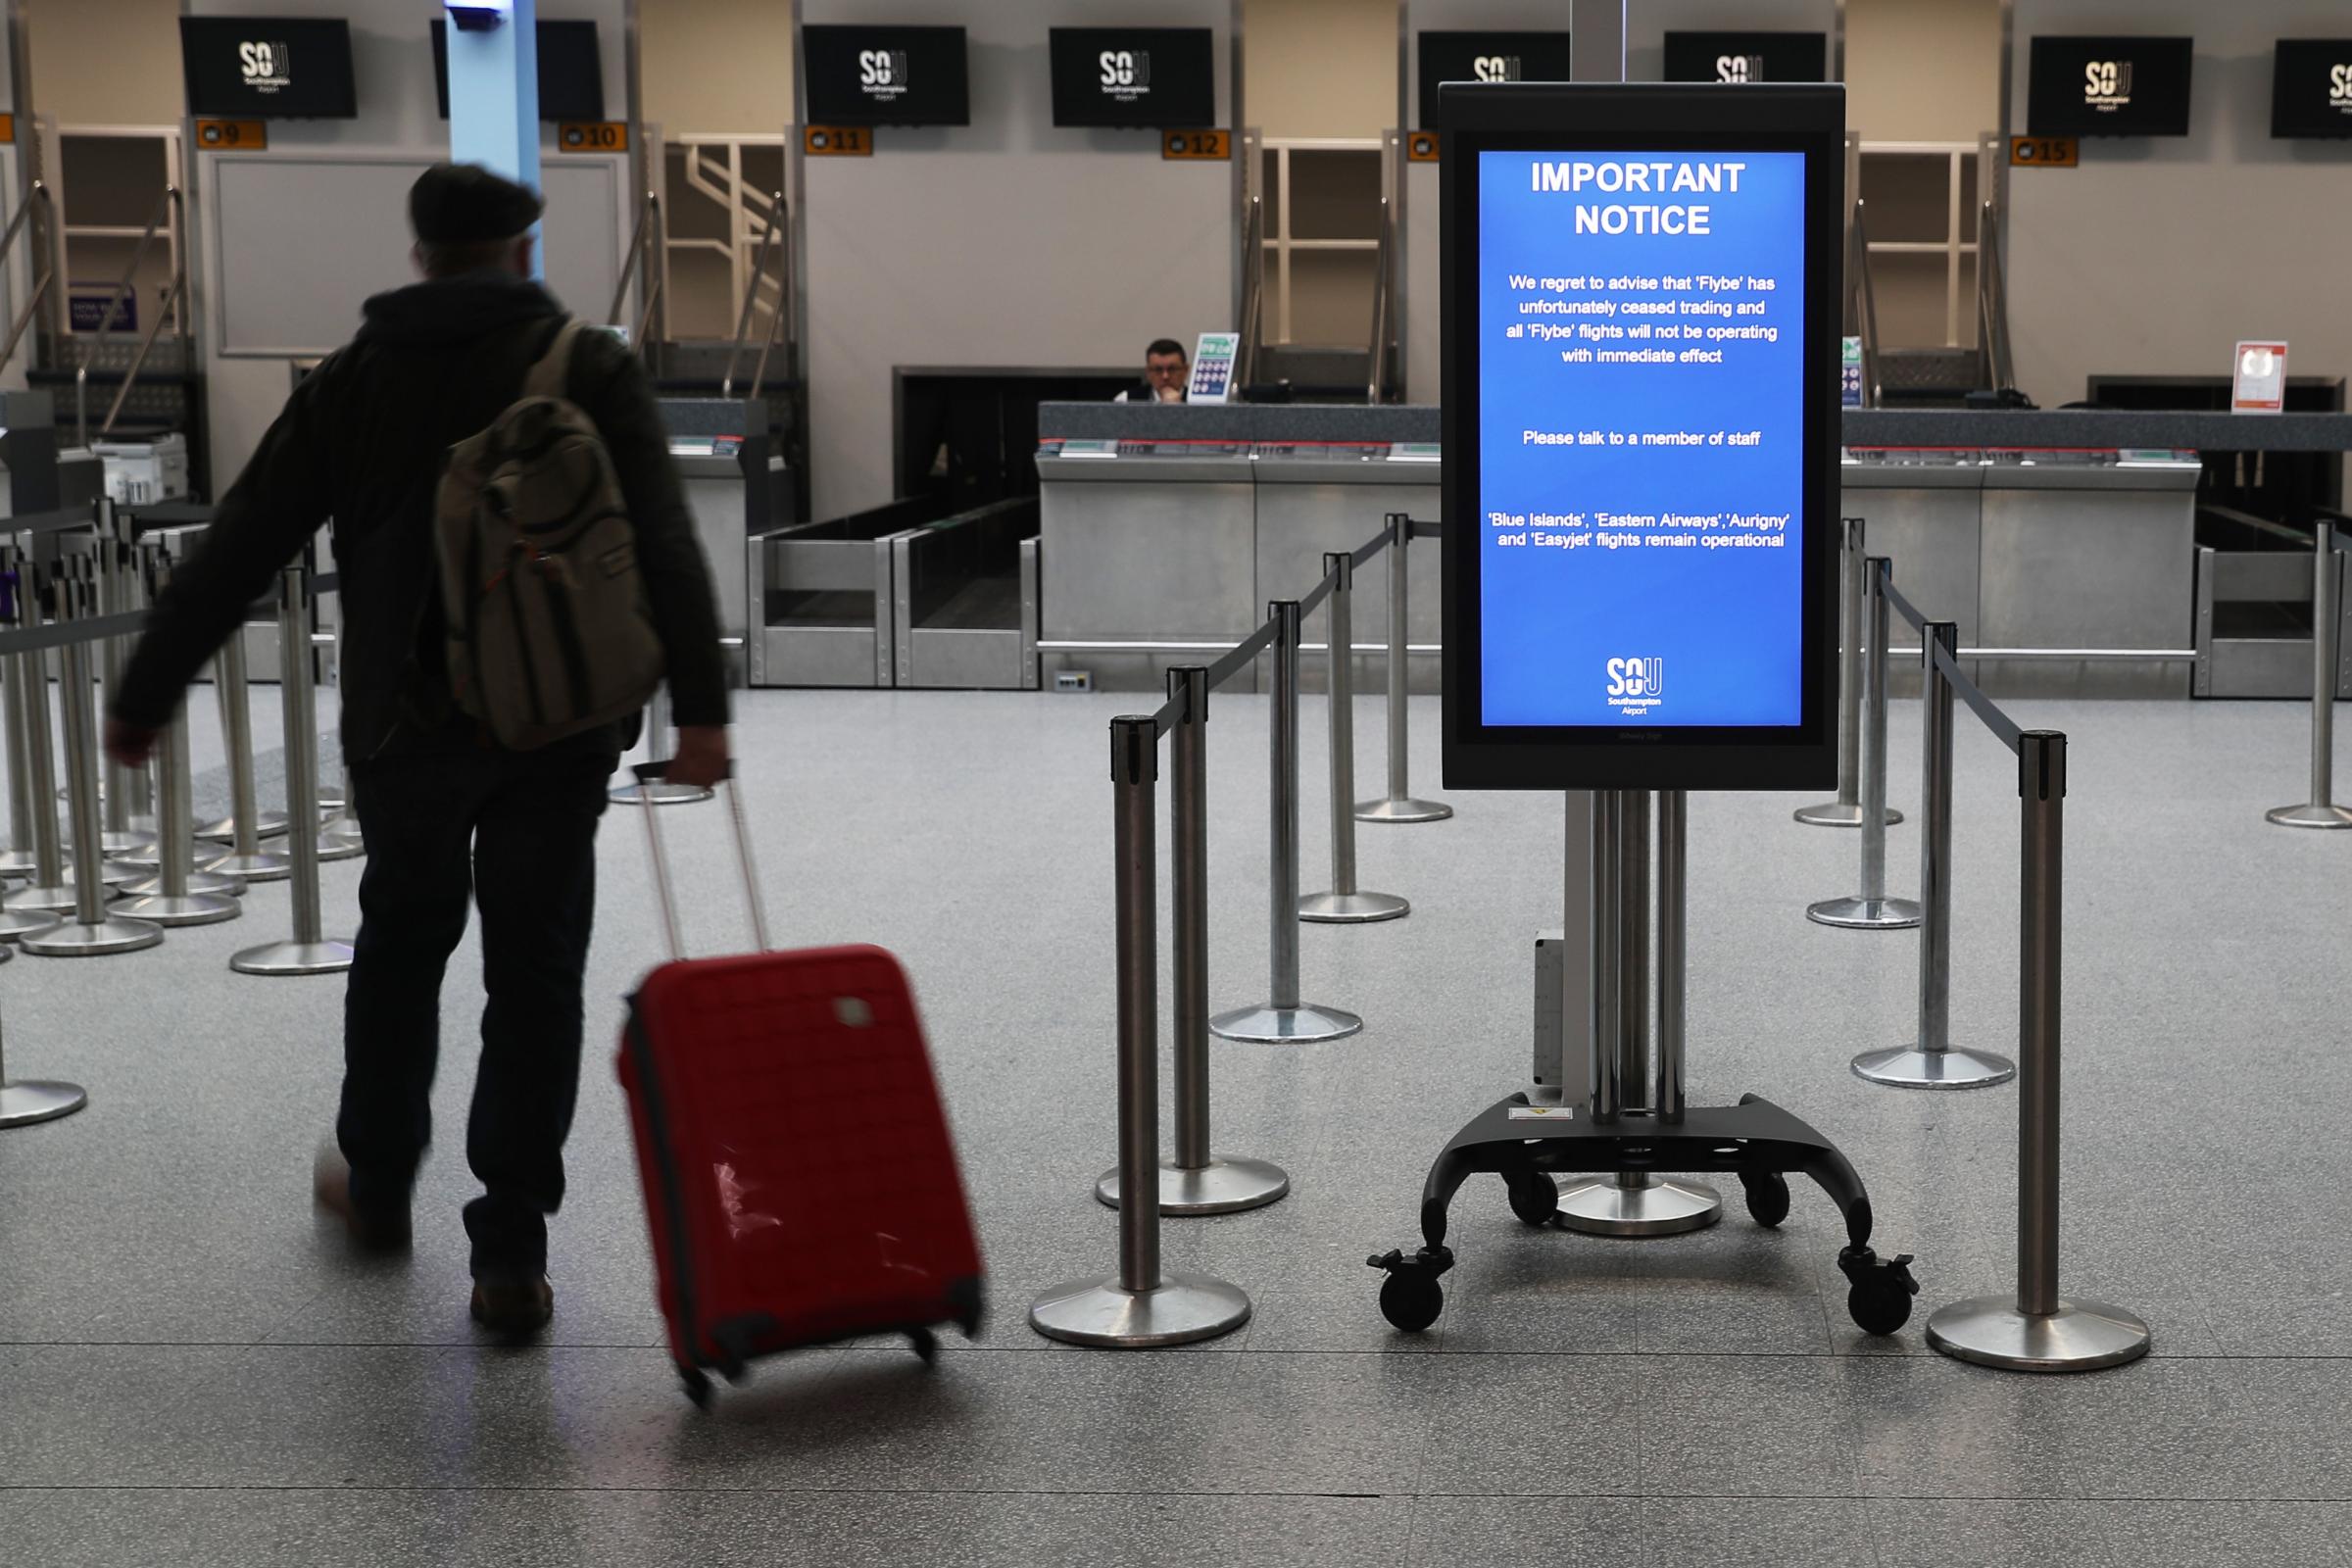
1641, 379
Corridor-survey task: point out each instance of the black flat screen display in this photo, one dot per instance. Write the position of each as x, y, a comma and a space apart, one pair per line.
572, 69
861, 75
1487, 57
1747, 57
268, 67
2311, 89
2109, 86
1150, 79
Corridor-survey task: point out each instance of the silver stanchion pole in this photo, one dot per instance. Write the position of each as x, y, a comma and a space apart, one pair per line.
126, 793
168, 898
1846, 809
19, 858
24, 1103
309, 951
1283, 1019
2327, 652
1872, 909
38, 906
245, 823
1142, 1305
1196, 1181
1345, 904
2036, 1329
92, 932
1637, 1202
657, 749
1932, 1061
338, 833
1400, 804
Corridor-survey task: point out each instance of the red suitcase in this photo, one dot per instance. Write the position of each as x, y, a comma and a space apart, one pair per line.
800, 1179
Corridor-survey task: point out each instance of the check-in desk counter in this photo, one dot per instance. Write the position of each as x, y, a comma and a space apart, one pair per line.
2045, 553
737, 486
1167, 530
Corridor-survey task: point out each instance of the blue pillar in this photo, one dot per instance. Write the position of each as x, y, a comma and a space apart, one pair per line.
494, 96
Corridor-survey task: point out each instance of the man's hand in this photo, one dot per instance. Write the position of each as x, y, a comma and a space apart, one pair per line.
129, 745
701, 759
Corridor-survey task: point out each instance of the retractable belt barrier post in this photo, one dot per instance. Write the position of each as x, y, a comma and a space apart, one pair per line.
244, 826
1872, 909
1400, 804
38, 904
1196, 1181
1142, 1305
178, 893
19, 858
659, 792
126, 793
1283, 1018
1846, 809
1932, 1061
2326, 634
309, 951
92, 932
1345, 904
2036, 1329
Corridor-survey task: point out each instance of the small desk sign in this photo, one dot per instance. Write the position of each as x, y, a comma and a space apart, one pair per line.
1850, 375
1212, 366
2258, 382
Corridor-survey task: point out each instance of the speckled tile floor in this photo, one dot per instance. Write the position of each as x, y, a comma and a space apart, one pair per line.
193, 1373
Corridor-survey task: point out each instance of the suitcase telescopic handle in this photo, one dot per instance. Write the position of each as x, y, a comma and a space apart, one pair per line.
648, 775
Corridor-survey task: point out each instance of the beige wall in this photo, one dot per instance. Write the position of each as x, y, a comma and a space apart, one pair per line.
1923, 69
1319, 68
105, 61
717, 65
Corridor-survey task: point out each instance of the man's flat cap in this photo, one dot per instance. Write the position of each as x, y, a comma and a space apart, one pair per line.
464, 204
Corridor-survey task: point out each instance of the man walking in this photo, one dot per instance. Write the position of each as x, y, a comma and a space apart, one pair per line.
444, 809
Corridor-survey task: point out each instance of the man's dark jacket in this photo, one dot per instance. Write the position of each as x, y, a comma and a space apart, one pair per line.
362, 441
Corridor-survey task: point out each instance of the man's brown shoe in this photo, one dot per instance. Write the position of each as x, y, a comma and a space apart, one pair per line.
330, 1185
514, 1310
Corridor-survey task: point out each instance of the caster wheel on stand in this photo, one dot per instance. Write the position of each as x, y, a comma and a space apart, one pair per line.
1880, 1297
1535, 1198
1411, 1297
1767, 1198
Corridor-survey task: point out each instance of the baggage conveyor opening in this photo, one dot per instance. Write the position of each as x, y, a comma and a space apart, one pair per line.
965, 600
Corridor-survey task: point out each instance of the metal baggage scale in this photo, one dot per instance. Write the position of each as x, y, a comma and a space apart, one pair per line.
1642, 313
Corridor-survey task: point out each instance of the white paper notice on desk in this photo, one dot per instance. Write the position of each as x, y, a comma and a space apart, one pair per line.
2258, 378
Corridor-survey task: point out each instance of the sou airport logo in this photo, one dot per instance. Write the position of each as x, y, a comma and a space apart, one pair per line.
1739, 68
882, 72
2106, 84
266, 67
1125, 74
2339, 87
1637, 685
1495, 68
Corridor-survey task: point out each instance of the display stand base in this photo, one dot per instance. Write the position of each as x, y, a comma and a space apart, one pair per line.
1220, 1187
1353, 909
1269, 1025
22, 1104
2079, 1337
1603, 1206
1909, 1067
1840, 813
293, 958
1403, 810
2310, 816
1181, 1308
1865, 915
103, 939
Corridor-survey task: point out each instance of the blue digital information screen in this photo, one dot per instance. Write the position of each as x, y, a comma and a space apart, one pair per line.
1641, 451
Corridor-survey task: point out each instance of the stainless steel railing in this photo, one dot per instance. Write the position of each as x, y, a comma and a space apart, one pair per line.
1863, 304
45, 273
777, 238
644, 247
170, 205
1992, 301
1377, 361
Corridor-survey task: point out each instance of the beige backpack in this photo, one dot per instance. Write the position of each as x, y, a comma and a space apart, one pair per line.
549, 631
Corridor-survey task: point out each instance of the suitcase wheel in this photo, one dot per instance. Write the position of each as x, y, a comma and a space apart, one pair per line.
926, 1344
698, 1386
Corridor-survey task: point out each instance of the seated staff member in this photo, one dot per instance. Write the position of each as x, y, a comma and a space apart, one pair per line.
1167, 368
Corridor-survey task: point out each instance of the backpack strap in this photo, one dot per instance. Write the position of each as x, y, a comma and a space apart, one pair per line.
552, 374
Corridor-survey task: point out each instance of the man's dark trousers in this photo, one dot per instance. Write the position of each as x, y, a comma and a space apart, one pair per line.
444, 816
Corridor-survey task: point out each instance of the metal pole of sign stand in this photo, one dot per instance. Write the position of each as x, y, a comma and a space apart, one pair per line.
2036, 1329
1345, 904
1846, 809
245, 825
1140, 1306
657, 751
2326, 634
1400, 804
38, 904
1283, 1019
1932, 1061
92, 932
24, 1103
1639, 1202
1872, 909
1196, 1181
309, 951
19, 858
